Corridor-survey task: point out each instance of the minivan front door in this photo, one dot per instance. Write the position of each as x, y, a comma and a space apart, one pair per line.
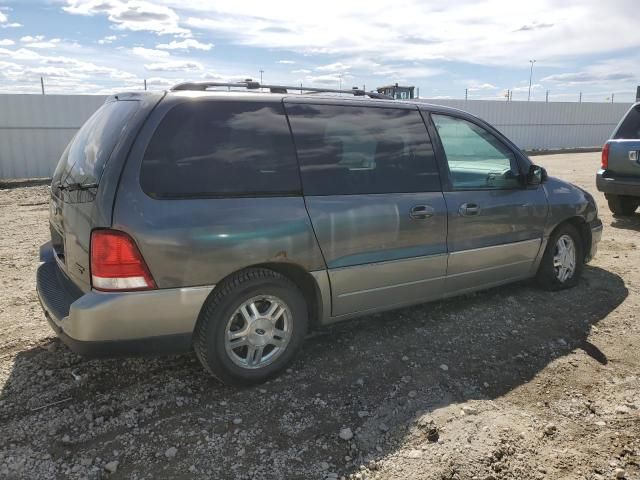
495, 222
373, 194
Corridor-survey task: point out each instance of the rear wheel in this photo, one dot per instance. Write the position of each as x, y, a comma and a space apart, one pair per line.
563, 260
251, 327
621, 205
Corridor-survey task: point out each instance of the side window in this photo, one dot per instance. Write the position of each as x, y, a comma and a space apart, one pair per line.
476, 158
346, 150
630, 127
213, 148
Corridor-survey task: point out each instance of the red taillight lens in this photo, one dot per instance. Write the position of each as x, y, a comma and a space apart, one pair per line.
605, 156
116, 263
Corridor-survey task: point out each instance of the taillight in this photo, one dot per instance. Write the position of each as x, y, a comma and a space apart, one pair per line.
605, 156
116, 263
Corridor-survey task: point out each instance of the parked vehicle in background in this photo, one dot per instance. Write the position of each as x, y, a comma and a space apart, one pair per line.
232, 222
619, 174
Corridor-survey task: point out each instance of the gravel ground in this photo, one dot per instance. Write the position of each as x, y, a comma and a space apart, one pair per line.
508, 383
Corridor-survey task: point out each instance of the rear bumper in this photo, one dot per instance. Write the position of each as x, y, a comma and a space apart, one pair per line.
608, 183
112, 324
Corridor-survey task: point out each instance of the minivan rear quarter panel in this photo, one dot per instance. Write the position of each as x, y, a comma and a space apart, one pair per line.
199, 241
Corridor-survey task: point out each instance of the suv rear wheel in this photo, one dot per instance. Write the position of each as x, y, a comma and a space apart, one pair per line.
621, 205
563, 260
250, 327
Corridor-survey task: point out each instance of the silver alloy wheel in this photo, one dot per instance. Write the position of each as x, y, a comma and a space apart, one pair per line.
258, 332
564, 258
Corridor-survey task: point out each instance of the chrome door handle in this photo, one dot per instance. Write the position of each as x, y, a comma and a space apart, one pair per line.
420, 212
633, 155
469, 209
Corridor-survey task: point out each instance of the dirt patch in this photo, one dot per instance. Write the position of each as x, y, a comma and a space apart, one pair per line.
511, 383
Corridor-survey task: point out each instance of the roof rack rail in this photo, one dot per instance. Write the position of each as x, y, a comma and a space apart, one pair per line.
251, 85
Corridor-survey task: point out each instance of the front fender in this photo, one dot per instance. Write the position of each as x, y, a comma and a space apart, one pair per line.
566, 201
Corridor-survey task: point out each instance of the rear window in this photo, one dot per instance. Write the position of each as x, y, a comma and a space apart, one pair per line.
350, 150
85, 157
221, 149
629, 129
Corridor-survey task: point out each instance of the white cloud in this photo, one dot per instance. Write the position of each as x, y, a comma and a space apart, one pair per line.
6, 42
4, 22
614, 71
186, 44
30, 39
286, 62
149, 53
301, 70
20, 54
525, 88
406, 73
39, 41
135, 15
487, 32
333, 67
174, 66
108, 39
330, 80
23, 68
475, 86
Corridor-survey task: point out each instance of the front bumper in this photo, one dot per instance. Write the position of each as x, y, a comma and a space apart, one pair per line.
609, 184
123, 323
596, 236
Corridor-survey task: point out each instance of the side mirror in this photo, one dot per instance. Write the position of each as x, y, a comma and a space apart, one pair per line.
536, 175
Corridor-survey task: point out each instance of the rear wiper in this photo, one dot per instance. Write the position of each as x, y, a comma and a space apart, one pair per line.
73, 187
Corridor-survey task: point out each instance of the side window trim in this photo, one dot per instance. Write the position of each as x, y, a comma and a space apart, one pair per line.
442, 157
438, 149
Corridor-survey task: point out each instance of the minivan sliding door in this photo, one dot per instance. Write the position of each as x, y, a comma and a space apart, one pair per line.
373, 194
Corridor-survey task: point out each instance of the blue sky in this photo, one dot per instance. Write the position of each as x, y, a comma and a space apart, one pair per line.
104, 46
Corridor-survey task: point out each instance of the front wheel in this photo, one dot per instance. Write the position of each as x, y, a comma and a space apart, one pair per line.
621, 205
563, 260
250, 327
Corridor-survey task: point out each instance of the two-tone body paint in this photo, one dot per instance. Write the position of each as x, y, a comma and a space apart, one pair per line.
364, 252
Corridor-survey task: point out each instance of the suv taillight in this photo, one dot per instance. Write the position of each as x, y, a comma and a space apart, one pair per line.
605, 156
116, 263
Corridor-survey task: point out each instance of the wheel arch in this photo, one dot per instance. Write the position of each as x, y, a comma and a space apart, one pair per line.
301, 278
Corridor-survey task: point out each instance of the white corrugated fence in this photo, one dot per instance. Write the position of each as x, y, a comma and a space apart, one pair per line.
34, 129
546, 126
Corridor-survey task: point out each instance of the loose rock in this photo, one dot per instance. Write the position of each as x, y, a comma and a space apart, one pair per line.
346, 434
171, 452
550, 429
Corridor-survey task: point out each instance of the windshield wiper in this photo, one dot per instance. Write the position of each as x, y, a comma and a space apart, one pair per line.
73, 187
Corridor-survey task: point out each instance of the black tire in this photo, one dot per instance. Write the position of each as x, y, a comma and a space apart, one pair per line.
209, 335
547, 277
622, 205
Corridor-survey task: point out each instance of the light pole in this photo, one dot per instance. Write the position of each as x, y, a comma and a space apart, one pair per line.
261, 72
530, 77
340, 82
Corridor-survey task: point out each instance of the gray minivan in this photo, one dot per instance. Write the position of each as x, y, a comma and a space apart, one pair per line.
231, 222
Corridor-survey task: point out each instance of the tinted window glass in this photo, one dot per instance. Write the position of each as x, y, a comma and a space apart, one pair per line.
211, 148
476, 158
630, 126
355, 150
86, 155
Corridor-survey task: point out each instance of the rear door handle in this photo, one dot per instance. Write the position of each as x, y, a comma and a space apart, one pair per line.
633, 155
420, 212
469, 209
